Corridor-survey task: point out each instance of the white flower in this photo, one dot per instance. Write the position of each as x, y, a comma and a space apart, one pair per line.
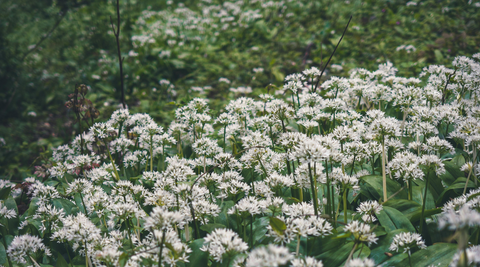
223, 242
473, 256
465, 217
361, 232
307, 262
360, 263
407, 241
269, 256
368, 209
22, 248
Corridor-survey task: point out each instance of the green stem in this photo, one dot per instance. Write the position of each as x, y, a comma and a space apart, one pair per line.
83, 203
383, 170
410, 189
329, 202
409, 259
424, 201
164, 234
151, 153
345, 206
314, 191
224, 137
351, 253
113, 164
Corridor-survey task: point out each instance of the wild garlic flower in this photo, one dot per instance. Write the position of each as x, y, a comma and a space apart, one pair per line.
176, 251
407, 241
222, 243
79, 230
436, 145
49, 215
310, 151
25, 246
269, 256
433, 162
368, 209
306, 262
102, 130
6, 213
361, 232
248, 206
206, 147
366, 262
405, 165
461, 219
161, 218
473, 256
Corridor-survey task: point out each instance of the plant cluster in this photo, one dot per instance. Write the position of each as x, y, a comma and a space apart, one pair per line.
173, 51
346, 172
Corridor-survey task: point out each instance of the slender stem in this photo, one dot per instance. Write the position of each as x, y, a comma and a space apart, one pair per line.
329, 202
345, 206
321, 74
424, 201
113, 164
151, 153
83, 203
164, 234
298, 246
314, 191
410, 189
409, 259
351, 253
468, 179
383, 169
224, 137
251, 233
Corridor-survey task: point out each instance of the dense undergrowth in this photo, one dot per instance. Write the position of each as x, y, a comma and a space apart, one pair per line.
373, 169
175, 51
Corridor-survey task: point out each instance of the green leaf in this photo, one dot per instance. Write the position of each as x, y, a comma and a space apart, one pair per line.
260, 229
375, 182
415, 217
65, 204
392, 219
197, 257
211, 226
3, 254
439, 254
5, 192
449, 192
383, 245
335, 257
278, 225
61, 262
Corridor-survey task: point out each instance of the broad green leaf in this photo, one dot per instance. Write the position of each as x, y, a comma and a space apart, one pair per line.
454, 190
277, 225
376, 182
439, 254
197, 257
3, 254
64, 204
335, 257
260, 228
383, 245
5, 192
392, 219
61, 262
211, 226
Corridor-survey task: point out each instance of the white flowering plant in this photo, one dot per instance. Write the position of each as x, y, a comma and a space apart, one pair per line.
335, 173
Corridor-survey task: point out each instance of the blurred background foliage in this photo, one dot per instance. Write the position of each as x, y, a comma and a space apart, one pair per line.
177, 50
